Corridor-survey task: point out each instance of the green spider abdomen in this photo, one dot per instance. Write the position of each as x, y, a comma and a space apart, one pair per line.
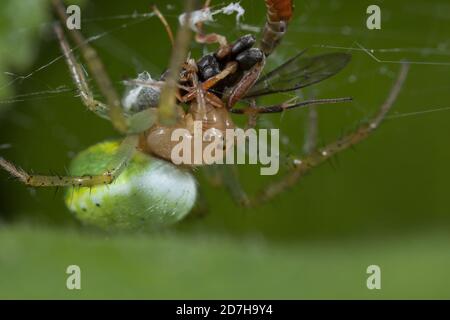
149, 193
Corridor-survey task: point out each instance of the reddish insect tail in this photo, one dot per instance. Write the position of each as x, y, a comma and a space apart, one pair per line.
279, 13
279, 10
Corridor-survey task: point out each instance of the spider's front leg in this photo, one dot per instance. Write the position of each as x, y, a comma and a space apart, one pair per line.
97, 69
78, 76
115, 167
317, 157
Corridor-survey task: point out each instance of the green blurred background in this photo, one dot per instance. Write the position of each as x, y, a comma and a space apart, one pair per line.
384, 203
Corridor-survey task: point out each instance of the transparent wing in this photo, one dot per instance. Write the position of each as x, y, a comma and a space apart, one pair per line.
299, 72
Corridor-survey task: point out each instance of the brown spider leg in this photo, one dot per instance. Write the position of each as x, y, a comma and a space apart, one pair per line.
115, 168
165, 23
97, 70
288, 105
78, 77
303, 166
167, 109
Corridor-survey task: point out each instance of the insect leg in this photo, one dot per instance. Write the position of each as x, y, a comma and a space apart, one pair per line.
230, 178
288, 105
211, 82
115, 168
311, 131
98, 71
303, 166
245, 84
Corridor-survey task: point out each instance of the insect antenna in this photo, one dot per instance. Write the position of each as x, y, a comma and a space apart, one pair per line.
286, 106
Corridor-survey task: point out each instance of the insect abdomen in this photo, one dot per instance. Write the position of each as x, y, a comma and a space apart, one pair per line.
279, 10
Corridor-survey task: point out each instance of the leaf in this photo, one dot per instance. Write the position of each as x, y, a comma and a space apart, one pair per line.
33, 264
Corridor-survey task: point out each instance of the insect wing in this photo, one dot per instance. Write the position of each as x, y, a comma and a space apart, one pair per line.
299, 72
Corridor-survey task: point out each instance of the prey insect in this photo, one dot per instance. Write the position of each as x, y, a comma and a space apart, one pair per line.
132, 183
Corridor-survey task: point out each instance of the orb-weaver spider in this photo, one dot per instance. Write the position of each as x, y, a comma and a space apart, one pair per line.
148, 189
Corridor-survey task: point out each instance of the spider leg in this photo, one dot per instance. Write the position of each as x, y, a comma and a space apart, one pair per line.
167, 111
98, 71
230, 179
78, 77
115, 168
165, 23
143, 120
303, 166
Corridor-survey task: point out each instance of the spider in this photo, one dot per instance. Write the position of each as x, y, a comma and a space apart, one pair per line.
150, 191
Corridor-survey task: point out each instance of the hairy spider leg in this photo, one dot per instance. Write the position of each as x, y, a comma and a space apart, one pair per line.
98, 71
317, 157
78, 77
117, 163
136, 123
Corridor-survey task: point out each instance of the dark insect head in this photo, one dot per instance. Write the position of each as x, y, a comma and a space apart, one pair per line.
241, 51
